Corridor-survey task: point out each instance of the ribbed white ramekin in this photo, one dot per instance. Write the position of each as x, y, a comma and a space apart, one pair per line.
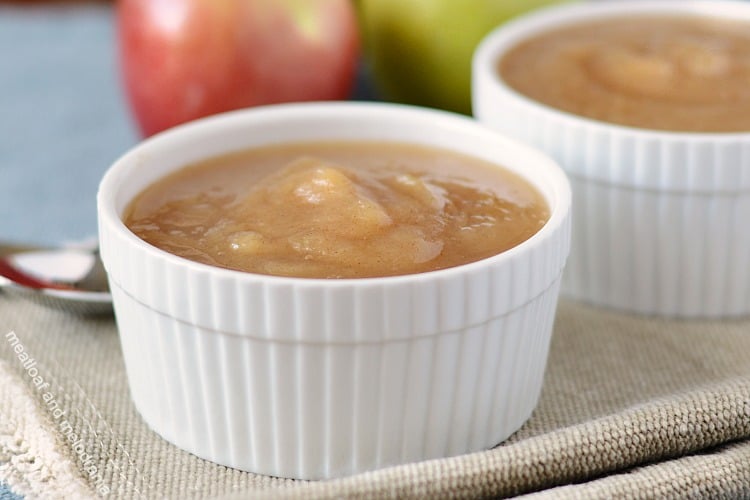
312, 378
661, 220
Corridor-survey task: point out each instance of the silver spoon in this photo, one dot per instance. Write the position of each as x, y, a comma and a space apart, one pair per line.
69, 279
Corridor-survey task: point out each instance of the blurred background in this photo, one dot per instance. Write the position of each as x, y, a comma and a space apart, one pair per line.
70, 105
62, 117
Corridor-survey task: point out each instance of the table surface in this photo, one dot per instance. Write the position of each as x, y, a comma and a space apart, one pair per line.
63, 119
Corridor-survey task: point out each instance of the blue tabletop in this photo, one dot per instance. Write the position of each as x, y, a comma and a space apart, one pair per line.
6, 494
63, 119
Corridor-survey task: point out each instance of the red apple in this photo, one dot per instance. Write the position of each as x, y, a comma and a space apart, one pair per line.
184, 59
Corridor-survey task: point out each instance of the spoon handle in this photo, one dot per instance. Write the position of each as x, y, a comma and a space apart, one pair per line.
21, 278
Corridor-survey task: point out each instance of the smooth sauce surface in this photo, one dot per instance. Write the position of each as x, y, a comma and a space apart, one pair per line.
675, 73
338, 210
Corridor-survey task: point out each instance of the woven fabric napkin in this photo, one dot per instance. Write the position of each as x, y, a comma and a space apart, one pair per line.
631, 407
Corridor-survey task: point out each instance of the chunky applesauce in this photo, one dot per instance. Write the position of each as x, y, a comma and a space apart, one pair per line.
675, 73
338, 210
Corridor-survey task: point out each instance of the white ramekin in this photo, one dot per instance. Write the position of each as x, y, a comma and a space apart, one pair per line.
312, 378
661, 220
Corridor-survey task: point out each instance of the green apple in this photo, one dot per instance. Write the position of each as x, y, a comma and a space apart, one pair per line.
420, 50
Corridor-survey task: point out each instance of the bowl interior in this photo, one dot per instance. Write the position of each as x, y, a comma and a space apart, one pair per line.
507, 36
235, 131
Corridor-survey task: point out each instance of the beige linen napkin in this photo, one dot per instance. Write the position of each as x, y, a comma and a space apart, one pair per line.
632, 407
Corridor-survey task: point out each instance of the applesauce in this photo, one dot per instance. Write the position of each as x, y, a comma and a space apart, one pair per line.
338, 210
677, 73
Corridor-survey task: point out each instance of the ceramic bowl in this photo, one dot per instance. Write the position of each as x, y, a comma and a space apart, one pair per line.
660, 219
316, 378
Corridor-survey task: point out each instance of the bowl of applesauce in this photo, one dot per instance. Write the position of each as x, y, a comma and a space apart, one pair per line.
646, 106
315, 290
